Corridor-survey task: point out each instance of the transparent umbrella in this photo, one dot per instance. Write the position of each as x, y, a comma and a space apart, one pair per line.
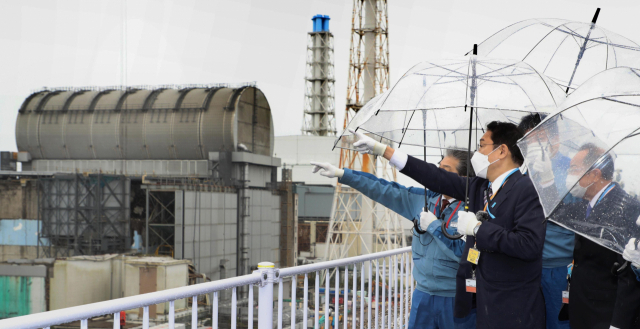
446, 104
583, 160
568, 52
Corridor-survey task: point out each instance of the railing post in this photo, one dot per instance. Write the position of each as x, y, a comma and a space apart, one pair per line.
268, 275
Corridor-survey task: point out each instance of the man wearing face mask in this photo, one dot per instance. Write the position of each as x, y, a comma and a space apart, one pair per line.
603, 294
502, 254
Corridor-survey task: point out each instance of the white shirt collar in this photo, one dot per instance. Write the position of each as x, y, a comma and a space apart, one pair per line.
498, 181
597, 196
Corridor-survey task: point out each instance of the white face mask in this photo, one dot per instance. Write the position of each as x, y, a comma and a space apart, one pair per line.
480, 163
577, 191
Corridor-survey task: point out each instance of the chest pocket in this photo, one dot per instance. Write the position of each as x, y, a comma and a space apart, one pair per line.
420, 242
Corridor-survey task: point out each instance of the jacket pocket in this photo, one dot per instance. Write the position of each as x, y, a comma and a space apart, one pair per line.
444, 268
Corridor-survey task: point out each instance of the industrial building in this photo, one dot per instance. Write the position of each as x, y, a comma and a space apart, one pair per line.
185, 172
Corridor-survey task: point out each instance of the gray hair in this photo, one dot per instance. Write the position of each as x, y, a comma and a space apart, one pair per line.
461, 156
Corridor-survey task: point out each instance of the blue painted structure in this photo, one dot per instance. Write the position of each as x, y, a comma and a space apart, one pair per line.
320, 23
19, 232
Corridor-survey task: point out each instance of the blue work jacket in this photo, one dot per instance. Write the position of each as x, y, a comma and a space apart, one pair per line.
435, 257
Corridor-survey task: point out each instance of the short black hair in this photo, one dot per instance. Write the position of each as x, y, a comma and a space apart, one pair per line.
508, 134
462, 156
597, 159
530, 121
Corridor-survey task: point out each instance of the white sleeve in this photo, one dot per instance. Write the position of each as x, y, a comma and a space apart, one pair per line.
399, 159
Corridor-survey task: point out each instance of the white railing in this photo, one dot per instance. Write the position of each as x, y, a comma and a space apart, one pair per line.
394, 307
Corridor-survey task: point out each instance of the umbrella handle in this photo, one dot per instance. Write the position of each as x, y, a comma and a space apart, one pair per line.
416, 227
617, 268
449, 236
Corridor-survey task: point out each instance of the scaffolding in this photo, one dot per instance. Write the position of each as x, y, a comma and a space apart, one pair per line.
359, 225
84, 215
319, 99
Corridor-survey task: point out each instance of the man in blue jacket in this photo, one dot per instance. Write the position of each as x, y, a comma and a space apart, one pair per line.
557, 251
435, 257
503, 254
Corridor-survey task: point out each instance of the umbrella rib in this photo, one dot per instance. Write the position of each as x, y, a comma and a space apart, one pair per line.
530, 101
554, 54
405, 130
546, 35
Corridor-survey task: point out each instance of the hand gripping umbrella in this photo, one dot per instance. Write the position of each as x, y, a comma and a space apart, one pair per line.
568, 52
443, 93
588, 181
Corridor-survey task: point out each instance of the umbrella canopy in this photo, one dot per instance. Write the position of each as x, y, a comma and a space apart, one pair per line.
429, 106
593, 146
568, 52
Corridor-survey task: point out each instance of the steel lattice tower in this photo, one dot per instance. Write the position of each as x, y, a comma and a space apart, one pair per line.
319, 98
359, 225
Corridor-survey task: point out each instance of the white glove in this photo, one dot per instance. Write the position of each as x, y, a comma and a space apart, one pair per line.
541, 164
367, 145
466, 222
631, 253
426, 218
327, 170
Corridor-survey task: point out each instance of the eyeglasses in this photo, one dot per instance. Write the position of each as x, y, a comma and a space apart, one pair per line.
483, 145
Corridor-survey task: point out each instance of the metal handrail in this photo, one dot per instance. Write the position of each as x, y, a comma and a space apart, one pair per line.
264, 278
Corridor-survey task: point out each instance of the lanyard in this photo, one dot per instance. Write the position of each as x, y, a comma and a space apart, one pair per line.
496, 192
611, 186
435, 207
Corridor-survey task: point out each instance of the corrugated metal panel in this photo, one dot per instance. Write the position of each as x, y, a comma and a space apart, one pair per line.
21, 296
218, 126
186, 123
105, 127
51, 127
144, 124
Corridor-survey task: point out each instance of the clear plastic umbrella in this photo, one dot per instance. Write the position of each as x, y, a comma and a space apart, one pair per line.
446, 104
429, 106
568, 52
591, 147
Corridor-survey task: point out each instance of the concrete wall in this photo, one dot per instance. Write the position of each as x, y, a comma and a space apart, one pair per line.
18, 252
18, 199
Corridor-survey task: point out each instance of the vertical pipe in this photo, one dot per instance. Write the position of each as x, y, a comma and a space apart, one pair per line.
345, 299
362, 296
146, 230
409, 292
265, 299
293, 302
172, 314
317, 302
382, 300
233, 308
327, 323
395, 291
371, 293
280, 293
116, 320
145, 317
250, 308
214, 311
401, 288
353, 296
337, 300
305, 312
194, 312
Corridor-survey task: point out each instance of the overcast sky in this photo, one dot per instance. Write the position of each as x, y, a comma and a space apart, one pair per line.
80, 43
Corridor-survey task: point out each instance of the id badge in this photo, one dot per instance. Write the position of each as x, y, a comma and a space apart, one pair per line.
471, 285
565, 297
473, 256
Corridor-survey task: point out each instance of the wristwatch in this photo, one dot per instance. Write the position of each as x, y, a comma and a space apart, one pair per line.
475, 229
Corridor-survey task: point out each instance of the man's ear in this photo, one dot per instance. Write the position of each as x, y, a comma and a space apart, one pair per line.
504, 151
597, 173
